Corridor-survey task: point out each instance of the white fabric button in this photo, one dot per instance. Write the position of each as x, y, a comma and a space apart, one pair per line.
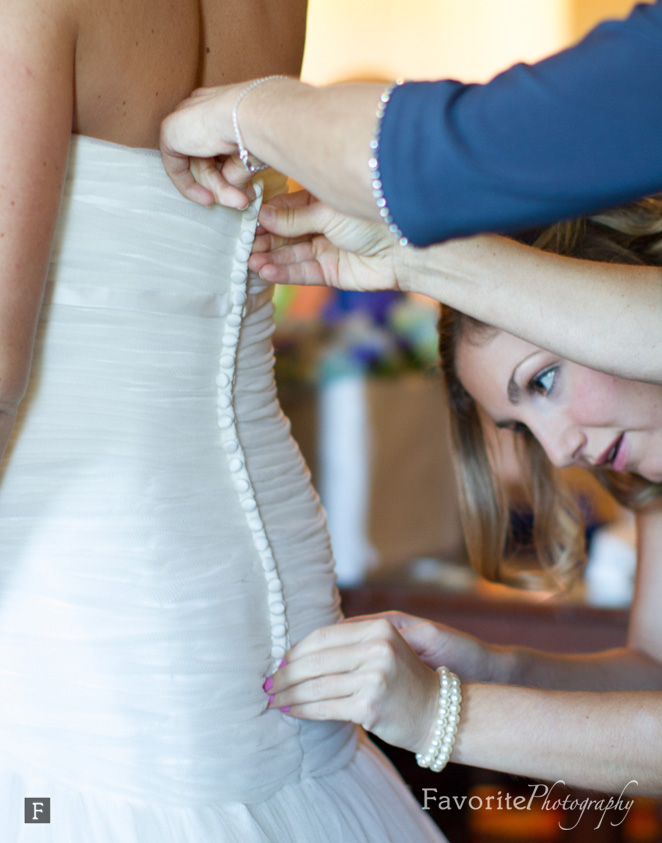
242, 485
268, 563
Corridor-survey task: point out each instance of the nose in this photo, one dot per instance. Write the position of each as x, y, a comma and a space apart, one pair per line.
563, 444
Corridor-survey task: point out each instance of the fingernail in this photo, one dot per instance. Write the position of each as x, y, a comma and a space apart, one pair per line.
285, 708
282, 664
267, 213
267, 685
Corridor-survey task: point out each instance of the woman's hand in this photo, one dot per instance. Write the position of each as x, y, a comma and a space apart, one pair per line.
199, 149
363, 672
437, 645
302, 241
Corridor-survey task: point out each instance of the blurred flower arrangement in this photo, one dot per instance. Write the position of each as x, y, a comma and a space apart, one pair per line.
323, 334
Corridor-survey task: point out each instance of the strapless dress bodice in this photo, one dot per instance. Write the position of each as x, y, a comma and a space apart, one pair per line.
160, 544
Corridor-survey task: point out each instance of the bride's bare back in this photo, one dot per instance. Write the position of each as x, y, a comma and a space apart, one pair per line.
136, 59
111, 69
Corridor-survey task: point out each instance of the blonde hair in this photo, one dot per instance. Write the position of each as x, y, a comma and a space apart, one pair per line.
629, 235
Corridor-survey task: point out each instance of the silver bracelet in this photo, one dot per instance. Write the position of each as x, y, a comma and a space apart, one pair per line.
445, 729
373, 163
254, 166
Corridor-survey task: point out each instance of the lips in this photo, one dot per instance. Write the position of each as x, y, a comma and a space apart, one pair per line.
620, 459
616, 456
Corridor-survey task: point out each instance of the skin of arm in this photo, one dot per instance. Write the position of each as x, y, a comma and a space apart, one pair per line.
524, 712
519, 289
555, 302
37, 47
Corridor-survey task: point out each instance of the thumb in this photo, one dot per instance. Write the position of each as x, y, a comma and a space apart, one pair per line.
293, 222
424, 640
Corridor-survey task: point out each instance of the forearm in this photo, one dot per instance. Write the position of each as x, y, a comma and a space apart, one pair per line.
318, 136
594, 740
518, 289
621, 669
570, 135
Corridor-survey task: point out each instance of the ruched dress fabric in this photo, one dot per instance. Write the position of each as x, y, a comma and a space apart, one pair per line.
161, 546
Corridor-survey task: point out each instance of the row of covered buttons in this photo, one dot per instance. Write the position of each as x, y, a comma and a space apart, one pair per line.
227, 424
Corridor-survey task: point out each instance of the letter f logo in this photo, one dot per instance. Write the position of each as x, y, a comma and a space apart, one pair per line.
37, 810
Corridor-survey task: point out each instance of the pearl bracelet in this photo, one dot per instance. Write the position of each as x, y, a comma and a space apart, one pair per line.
448, 718
373, 163
254, 166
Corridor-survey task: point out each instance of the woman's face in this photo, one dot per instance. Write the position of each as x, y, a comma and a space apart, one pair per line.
579, 416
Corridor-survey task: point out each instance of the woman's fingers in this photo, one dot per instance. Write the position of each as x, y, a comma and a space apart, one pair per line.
235, 174
363, 672
399, 620
318, 688
299, 216
178, 168
351, 697
206, 172
291, 263
199, 130
320, 665
340, 635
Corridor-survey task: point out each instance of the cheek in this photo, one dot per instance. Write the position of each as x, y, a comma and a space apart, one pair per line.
594, 397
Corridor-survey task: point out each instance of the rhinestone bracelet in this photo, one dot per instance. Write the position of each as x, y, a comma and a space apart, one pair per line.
254, 166
373, 163
448, 716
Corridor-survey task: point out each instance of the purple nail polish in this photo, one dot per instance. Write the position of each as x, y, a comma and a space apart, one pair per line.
283, 664
285, 708
267, 685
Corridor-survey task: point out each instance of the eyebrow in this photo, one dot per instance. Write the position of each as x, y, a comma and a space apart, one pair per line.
513, 391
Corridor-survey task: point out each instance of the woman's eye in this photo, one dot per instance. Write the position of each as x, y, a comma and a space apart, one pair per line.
543, 383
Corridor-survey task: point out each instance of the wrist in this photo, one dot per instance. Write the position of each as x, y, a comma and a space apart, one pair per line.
449, 706
250, 163
407, 267
505, 665
450, 272
264, 111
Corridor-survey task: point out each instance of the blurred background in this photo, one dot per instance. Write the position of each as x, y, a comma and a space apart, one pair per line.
357, 375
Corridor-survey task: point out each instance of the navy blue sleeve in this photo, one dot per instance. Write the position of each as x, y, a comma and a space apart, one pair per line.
578, 132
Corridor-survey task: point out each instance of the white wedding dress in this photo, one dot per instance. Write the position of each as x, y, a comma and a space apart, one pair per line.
161, 547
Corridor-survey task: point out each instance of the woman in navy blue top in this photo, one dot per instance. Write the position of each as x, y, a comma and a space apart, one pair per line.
577, 132
571, 134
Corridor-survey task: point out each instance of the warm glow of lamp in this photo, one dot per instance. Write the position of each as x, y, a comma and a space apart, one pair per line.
469, 40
